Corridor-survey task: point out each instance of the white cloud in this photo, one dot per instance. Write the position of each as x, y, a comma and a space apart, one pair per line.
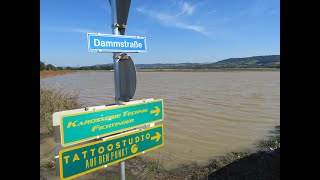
196, 28
179, 20
162, 17
187, 8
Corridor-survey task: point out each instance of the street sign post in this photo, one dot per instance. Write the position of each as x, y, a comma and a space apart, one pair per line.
100, 125
116, 43
122, 12
82, 159
86, 125
128, 78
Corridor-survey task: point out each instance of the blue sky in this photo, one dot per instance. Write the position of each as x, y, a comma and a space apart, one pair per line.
177, 31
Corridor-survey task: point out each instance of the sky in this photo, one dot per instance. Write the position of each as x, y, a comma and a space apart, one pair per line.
176, 31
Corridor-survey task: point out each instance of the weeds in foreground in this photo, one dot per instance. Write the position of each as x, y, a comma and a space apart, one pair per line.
48, 164
54, 100
272, 142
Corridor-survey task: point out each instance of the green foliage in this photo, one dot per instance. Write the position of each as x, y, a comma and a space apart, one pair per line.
51, 67
272, 142
69, 68
101, 67
96, 67
42, 66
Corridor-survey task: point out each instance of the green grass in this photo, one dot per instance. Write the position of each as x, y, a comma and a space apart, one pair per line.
272, 142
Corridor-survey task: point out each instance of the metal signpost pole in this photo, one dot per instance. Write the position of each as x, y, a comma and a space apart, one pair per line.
77, 135
116, 58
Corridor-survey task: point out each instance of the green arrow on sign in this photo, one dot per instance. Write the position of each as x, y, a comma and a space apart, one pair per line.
83, 159
88, 125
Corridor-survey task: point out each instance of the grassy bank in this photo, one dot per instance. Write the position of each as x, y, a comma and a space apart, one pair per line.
263, 164
44, 74
53, 100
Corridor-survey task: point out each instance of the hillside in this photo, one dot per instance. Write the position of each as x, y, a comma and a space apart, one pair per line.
271, 61
249, 62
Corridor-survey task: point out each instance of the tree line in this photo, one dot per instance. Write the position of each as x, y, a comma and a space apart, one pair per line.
51, 67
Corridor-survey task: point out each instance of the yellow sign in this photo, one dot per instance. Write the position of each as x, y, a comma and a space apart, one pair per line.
88, 125
82, 159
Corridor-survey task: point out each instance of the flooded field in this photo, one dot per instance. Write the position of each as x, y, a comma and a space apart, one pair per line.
207, 114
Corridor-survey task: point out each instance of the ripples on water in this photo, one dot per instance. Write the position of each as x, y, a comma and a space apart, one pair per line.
206, 113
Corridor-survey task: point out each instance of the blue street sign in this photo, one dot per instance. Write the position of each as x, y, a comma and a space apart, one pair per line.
115, 43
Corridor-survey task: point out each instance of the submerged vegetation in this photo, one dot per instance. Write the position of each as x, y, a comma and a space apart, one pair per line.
272, 142
262, 164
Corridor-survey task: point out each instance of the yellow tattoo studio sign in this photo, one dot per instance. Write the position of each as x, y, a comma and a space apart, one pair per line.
83, 126
82, 159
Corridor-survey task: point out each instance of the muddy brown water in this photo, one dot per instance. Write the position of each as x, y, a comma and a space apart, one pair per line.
207, 114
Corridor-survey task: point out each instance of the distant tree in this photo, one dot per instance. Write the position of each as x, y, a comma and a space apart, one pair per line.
59, 68
51, 67
107, 67
110, 67
42, 66
84, 68
69, 68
